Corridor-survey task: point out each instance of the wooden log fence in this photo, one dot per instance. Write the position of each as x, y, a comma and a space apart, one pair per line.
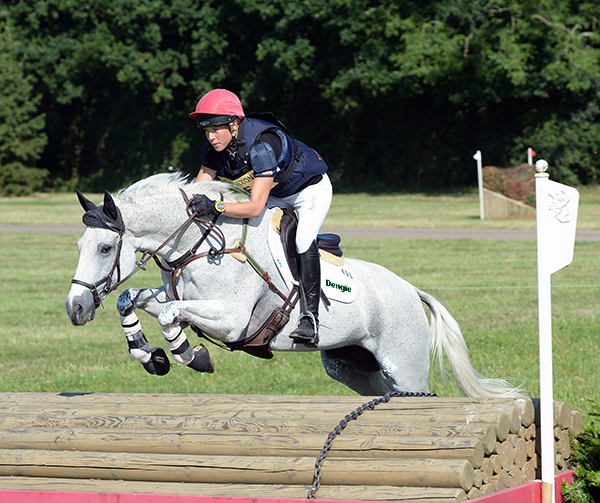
408, 449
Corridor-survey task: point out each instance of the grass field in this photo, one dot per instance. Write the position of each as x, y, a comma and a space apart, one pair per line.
490, 287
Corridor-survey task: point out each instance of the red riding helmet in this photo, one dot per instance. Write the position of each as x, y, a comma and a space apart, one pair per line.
216, 108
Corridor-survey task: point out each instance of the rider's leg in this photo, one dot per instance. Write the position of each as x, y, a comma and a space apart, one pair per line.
310, 283
312, 205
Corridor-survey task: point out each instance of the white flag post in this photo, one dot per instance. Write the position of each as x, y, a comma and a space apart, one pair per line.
477, 157
556, 208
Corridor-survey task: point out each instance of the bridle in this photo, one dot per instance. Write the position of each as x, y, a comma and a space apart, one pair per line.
177, 265
107, 280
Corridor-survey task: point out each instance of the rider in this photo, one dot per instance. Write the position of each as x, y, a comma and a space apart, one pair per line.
263, 159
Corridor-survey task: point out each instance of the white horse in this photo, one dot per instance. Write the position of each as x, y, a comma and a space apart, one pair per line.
374, 333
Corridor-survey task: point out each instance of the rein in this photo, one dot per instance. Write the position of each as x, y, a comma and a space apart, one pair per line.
176, 266
144, 259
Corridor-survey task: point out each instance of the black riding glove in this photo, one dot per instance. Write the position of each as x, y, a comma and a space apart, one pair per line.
203, 206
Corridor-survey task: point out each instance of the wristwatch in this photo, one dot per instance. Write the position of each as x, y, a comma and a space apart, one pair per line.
219, 206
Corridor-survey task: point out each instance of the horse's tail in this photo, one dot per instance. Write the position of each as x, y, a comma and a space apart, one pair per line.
447, 337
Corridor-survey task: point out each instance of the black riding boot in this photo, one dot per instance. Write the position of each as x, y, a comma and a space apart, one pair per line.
309, 269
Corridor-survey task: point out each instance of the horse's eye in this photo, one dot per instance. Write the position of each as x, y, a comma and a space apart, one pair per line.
105, 249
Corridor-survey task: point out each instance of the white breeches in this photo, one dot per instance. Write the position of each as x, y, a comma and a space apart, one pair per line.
312, 205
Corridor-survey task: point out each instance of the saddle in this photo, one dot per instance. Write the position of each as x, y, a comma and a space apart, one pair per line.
285, 221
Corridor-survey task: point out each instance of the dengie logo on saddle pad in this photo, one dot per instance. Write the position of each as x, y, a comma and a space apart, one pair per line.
343, 288
337, 282
336, 279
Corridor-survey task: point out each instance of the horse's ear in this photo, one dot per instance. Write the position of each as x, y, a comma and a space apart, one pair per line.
86, 204
110, 208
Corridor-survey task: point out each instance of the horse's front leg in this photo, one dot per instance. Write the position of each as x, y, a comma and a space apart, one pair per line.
151, 300
154, 302
210, 317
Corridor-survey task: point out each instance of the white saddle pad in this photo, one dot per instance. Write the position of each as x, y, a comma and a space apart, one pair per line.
336, 280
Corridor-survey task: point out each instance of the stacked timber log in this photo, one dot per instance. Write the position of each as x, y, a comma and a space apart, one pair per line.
408, 449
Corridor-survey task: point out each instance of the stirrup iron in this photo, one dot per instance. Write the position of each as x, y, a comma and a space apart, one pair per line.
303, 337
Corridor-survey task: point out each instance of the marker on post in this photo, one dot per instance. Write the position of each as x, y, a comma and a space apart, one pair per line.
477, 157
556, 208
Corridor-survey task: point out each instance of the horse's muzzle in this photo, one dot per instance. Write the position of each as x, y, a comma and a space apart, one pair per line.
80, 306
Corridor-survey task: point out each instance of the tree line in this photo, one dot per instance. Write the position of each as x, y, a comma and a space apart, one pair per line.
395, 95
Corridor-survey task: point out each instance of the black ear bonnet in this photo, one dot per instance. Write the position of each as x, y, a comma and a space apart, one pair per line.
106, 216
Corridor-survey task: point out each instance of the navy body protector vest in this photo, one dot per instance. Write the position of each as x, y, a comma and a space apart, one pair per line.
250, 131
296, 163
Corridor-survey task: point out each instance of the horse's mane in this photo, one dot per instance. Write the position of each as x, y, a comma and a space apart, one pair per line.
169, 183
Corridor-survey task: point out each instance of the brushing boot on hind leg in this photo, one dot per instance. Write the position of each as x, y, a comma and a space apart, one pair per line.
309, 269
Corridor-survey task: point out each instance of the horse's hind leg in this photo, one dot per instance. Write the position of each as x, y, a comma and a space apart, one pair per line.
357, 368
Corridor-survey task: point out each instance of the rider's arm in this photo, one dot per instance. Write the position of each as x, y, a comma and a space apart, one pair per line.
206, 174
264, 163
258, 199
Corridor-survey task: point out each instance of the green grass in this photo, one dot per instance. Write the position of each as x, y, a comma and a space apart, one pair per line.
490, 287
347, 210
43, 209
452, 211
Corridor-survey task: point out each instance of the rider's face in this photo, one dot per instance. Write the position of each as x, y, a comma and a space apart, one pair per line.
218, 136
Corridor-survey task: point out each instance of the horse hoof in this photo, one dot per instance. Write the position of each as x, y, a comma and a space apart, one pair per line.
202, 362
159, 362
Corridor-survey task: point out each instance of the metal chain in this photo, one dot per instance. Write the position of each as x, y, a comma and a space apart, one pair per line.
344, 422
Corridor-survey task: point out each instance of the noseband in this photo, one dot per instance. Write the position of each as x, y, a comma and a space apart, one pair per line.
107, 280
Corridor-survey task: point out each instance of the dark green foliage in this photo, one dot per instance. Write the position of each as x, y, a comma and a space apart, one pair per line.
585, 487
21, 126
573, 142
396, 95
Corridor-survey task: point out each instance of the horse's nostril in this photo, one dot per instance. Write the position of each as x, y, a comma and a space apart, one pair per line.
75, 314
80, 307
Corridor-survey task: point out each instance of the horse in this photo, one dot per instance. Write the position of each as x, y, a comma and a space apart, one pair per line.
223, 278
